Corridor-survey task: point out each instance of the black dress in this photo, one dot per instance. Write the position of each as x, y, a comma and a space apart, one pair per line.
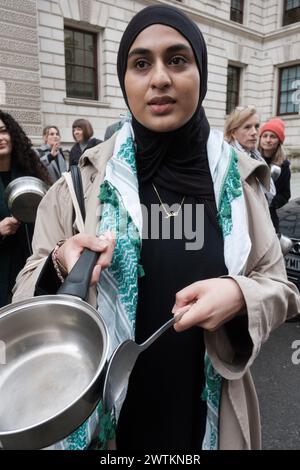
163, 409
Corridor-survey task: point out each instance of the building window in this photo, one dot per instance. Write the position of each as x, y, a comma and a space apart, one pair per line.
81, 64
237, 11
233, 88
288, 84
291, 11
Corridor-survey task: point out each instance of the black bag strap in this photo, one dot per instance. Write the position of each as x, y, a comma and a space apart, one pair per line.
48, 282
77, 183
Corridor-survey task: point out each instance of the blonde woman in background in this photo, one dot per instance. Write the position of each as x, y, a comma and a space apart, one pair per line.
241, 131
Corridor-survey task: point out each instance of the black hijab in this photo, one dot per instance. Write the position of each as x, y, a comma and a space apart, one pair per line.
175, 160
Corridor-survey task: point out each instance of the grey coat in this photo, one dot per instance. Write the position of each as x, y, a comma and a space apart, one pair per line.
55, 166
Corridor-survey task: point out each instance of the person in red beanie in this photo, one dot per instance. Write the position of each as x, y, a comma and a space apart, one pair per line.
272, 135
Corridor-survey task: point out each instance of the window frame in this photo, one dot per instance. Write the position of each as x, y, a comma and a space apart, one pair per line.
281, 70
238, 91
241, 12
94, 68
285, 14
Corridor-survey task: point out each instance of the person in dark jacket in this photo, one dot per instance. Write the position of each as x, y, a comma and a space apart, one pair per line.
110, 130
17, 158
82, 132
272, 135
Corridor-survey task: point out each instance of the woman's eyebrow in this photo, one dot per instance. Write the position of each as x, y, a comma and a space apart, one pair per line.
175, 48
139, 51
179, 47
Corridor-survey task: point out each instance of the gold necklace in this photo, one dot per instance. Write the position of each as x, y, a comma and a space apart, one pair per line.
171, 213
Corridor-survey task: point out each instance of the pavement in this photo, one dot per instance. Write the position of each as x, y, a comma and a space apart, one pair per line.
276, 374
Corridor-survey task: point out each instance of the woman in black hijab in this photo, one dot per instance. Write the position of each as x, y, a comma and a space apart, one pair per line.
162, 68
179, 398
175, 159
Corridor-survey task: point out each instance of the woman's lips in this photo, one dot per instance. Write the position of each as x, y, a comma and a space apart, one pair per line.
161, 104
162, 108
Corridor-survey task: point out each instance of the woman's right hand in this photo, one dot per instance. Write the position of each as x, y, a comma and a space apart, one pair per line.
9, 226
55, 149
71, 250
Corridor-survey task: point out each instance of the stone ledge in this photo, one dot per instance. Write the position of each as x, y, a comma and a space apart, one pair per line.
92, 103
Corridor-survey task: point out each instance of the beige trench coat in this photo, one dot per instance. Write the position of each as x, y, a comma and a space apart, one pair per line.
268, 294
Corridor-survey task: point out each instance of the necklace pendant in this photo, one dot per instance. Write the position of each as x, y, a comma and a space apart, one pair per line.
171, 214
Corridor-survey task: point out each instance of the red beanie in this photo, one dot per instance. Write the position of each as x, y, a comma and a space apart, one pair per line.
275, 125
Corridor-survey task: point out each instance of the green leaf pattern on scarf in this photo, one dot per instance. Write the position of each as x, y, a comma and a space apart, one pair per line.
79, 439
124, 269
107, 428
231, 189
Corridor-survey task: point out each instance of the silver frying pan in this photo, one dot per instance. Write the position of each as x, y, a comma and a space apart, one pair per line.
23, 196
56, 348
56, 363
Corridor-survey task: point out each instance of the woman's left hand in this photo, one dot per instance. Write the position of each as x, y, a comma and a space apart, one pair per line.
212, 302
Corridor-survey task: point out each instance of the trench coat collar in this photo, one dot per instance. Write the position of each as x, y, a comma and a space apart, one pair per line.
249, 166
98, 155
101, 153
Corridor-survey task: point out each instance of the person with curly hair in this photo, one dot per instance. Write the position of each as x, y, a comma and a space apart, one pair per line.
17, 158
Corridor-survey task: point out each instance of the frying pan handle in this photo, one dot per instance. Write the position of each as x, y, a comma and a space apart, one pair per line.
78, 280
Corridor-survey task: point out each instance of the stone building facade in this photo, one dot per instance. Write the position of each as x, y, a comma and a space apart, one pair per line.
33, 69
20, 84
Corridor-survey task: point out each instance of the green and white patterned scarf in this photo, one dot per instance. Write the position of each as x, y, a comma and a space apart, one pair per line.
118, 286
